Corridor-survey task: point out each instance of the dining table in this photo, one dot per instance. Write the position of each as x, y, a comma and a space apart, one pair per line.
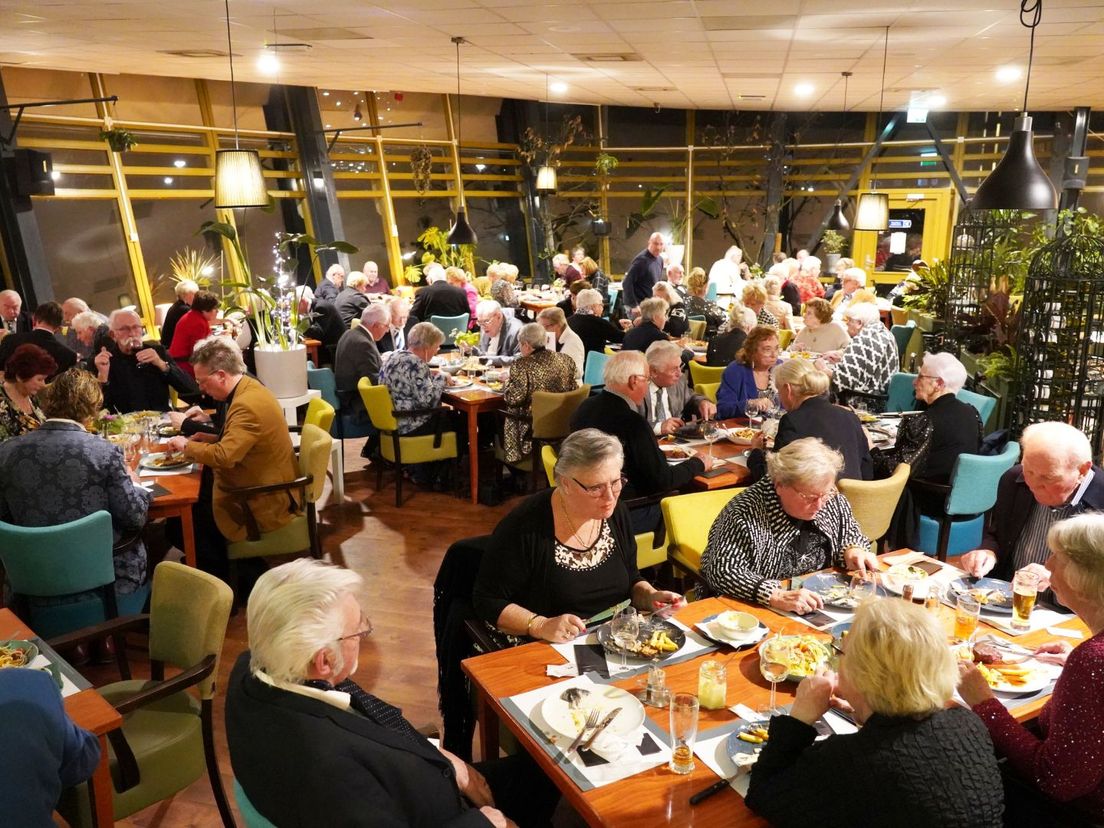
86, 707
178, 494
473, 401
658, 796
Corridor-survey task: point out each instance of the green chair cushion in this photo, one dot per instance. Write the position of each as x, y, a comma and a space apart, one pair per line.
291, 537
420, 449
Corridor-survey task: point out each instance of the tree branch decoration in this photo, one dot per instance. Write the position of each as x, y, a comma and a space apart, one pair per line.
421, 166
536, 149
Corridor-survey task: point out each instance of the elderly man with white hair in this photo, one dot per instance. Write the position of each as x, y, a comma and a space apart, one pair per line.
669, 403
498, 337
395, 338
567, 341
331, 283
310, 746
13, 318
438, 297
644, 271
358, 356
564, 269
72, 339
675, 276
353, 298
587, 322
1056, 479
851, 280
616, 411
870, 360
725, 273
648, 326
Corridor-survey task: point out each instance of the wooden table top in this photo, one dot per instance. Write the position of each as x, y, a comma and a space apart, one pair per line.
183, 489
476, 396
734, 475
658, 796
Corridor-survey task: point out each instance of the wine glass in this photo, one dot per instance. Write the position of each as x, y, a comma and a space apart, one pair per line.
710, 432
625, 630
752, 411
774, 665
863, 587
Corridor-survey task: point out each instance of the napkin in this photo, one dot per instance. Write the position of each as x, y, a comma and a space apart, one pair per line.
1041, 617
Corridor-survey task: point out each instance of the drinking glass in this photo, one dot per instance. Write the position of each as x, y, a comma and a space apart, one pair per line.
684, 729
625, 630
1025, 589
863, 587
710, 432
752, 412
967, 610
774, 664
712, 685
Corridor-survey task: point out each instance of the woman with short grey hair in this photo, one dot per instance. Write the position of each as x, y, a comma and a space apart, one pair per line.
411, 382
537, 369
565, 553
792, 522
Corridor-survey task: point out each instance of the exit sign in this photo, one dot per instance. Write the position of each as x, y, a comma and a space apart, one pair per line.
900, 224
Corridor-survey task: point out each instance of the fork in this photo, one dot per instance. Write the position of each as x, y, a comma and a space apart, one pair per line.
590, 724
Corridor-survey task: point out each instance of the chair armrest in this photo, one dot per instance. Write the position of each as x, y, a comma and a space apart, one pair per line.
480, 637
246, 492
929, 486
648, 500
127, 623
295, 429
420, 412
162, 689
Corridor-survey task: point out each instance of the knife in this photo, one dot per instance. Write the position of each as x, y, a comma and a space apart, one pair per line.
607, 613
602, 725
716, 787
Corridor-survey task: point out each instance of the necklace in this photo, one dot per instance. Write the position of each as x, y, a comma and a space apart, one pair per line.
21, 401
575, 531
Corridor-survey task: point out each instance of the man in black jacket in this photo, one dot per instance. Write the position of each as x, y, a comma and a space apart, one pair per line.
438, 297
653, 316
330, 285
13, 317
644, 271
311, 747
353, 299
47, 321
615, 411
588, 323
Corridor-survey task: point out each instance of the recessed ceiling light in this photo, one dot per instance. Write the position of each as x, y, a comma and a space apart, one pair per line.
168, 179
1009, 74
337, 103
804, 90
55, 175
268, 63
557, 87
325, 94
937, 101
180, 162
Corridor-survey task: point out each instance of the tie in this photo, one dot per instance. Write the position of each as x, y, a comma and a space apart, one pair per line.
373, 708
398, 339
659, 405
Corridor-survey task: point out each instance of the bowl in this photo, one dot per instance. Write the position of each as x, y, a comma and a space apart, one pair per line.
734, 622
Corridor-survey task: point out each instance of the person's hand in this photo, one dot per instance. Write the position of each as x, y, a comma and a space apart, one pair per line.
103, 364
831, 356
707, 409
978, 562
800, 601
707, 461
972, 685
560, 628
823, 366
814, 696
149, 356
857, 557
1054, 652
470, 781
497, 818
665, 601
625, 324
671, 425
759, 441
178, 443
1041, 572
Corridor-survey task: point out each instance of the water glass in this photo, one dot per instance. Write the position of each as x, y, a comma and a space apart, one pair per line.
1025, 589
710, 432
625, 630
967, 610
774, 665
863, 587
684, 730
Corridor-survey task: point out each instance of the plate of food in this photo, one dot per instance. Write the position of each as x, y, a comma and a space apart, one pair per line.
895, 577
743, 436
807, 654
16, 653
738, 629
1006, 669
994, 595
167, 430
744, 744
566, 713
164, 461
835, 589
691, 430
657, 640
676, 453
454, 384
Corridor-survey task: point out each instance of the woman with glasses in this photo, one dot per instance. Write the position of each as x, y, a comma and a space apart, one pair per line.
748, 377
790, 523
566, 553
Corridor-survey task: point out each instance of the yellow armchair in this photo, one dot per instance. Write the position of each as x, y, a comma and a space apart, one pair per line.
688, 519
702, 374
873, 502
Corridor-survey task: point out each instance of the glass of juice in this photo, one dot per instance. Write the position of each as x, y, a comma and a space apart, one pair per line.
712, 685
684, 730
1025, 589
967, 610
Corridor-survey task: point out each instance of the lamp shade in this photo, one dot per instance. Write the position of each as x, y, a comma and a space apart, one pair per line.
872, 212
546, 179
462, 232
600, 227
838, 220
1017, 182
239, 179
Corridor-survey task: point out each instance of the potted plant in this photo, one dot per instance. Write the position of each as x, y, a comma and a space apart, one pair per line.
120, 140
832, 242
465, 341
435, 242
926, 294
272, 308
421, 168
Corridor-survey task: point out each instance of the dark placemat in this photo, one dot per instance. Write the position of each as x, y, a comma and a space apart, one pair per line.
157, 490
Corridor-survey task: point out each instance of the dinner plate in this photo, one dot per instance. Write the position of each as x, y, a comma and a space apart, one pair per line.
675, 453
29, 648
835, 589
816, 653
568, 721
986, 590
148, 462
1039, 678
459, 386
676, 634
720, 635
742, 436
894, 578
168, 430
33, 653
743, 753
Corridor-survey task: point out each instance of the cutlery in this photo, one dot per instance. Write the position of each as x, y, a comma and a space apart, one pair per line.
1007, 646
598, 730
607, 613
716, 787
591, 721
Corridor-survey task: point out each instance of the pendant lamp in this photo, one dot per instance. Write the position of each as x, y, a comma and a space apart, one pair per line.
239, 177
546, 180
1018, 182
838, 221
461, 232
872, 212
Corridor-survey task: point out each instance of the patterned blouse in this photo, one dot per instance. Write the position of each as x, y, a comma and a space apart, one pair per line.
13, 420
869, 361
765, 317
808, 287
503, 293
542, 370
412, 385
754, 545
714, 316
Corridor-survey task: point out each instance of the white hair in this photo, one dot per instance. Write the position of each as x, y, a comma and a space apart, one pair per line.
588, 298
865, 312
424, 335
355, 280
335, 270
666, 291
663, 353
780, 270
807, 461
487, 307
433, 272
584, 449
115, 314
675, 267
554, 316
560, 259
185, 287
856, 274
772, 284
293, 612
734, 254
811, 263
533, 334
945, 367
653, 307
84, 320
623, 365
1058, 439
77, 302
377, 313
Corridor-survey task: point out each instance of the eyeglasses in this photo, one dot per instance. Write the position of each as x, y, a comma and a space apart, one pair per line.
929, 377
366, 624
815, 498
599, 489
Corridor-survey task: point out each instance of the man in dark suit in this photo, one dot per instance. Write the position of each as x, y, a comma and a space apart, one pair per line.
311, 747
644, 271
615, 411
588, 323
13, 318
47, 322
438, 297
358, 356
670, 402
649, 327
331, 283
1057, 480
44, 752
353, 299
401, 323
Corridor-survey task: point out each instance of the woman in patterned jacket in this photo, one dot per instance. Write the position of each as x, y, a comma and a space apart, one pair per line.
792, 522
871, 358
537, 369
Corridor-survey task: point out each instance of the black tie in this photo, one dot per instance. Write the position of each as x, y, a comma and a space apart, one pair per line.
373, 708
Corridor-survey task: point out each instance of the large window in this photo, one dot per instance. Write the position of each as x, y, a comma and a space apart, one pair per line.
167, 227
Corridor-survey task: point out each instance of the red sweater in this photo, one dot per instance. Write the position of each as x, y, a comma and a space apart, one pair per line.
191, 328
1067, 763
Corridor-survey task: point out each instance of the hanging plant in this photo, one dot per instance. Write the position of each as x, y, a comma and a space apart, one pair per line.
421, 166
120, 140
604, 165
832, 242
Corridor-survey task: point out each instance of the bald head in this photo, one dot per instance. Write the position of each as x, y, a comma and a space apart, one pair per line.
1056, 458
71, 307
655, 244
10, 305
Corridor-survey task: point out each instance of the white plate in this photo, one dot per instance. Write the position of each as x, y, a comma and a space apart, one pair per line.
675, 453
718, 633
460, 386
894, 578
568, 722
1040, 677
147, 462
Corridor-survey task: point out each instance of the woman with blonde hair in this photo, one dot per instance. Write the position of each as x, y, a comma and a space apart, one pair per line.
458, 277
775, 305
755, 299
920, 763
677, 323
802, 391
697, 285
502, 278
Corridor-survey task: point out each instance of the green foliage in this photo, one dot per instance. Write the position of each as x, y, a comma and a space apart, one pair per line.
120, 140
604, 165
421, 168
832, 242
928, 289
999, 365
435, 242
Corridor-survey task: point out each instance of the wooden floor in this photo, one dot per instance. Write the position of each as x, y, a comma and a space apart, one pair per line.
397, 551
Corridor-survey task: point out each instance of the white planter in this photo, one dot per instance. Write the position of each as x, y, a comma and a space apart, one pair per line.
284, 373
830, 261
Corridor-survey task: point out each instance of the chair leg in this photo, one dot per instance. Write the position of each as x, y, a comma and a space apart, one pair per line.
212, 765
111, 610
944, 538
398, 484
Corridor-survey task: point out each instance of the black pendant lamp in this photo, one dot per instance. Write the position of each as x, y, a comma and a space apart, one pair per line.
872, 212
461, 232
1018, 182
838, 221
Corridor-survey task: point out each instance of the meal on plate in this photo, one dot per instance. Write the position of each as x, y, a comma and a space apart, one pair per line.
677, 452
168, 459
906, 572
1001, 675
839, 595
994, 597
754, 735
13, 657
745, 435
806, 654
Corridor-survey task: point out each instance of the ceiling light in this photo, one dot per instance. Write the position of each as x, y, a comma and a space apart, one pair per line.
804, 90
559, 87
461, 232
180, 162
480, 167
872, 212
239, 177
1018, 182
55, 175
337, 103
325, 94
168, 179
268, 63
1009, 74
838, 221
357, 116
